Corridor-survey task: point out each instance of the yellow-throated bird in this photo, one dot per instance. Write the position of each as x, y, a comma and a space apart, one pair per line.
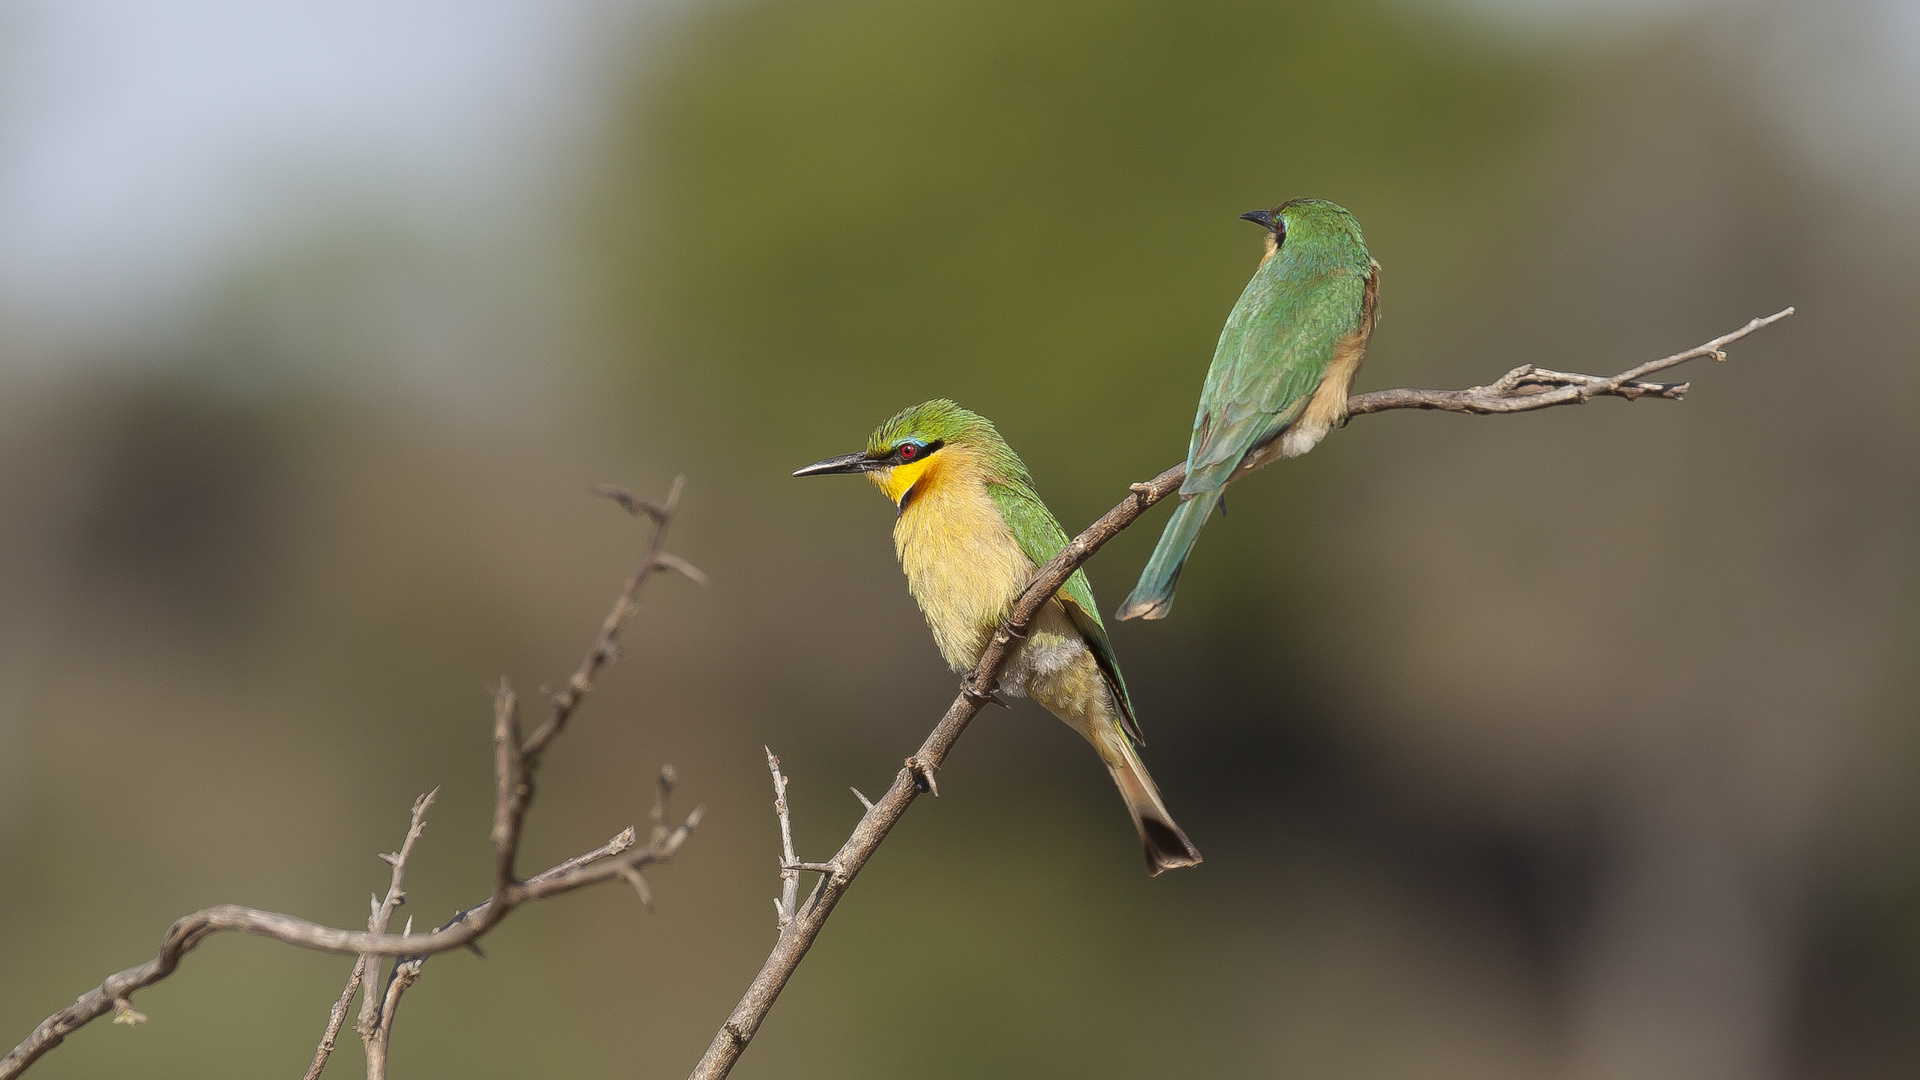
1280, 374
970, 532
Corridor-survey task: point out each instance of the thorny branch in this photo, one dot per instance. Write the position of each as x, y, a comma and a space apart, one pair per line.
515, 761
783, 905
373, 1031
1523, 389
368, 967
606, 646
406, 970
1527, 388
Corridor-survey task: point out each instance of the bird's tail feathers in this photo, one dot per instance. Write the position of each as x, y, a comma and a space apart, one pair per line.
1165, 845
1152, 597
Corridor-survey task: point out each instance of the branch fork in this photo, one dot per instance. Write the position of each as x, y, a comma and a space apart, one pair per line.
515, 761
786, 906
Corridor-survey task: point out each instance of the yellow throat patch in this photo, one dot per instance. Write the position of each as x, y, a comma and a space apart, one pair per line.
894, 483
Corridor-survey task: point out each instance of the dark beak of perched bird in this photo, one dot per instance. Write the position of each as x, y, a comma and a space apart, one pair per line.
1262, 218
845, 463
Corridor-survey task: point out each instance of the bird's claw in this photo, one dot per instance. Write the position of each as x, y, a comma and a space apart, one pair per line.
922, 777
967, 691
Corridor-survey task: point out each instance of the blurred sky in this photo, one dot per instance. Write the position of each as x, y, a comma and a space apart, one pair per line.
146, 147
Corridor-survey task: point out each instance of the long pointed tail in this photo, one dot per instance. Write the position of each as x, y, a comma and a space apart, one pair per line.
1166, 846
1152, 597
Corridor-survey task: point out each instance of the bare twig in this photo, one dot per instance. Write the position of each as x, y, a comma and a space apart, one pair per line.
1523, 389
515, 761
635, 504
1526, 387
512, 786
375, 1023
407, 970
541, 883
665, 782
382, 911
605, 646
405, 973
669, 561
336, 1017
789, 875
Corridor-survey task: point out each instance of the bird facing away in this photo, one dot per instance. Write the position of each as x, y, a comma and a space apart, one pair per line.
1280, 374
970, 531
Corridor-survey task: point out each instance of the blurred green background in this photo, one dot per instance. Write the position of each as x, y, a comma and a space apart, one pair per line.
1571, 745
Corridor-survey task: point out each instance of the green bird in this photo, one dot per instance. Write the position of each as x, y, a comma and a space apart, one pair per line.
970, 531
1280, 374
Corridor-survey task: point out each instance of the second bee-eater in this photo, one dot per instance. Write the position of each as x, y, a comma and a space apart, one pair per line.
1280, 374
970, 531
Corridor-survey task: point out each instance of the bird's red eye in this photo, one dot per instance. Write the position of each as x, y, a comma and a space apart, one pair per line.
908, 451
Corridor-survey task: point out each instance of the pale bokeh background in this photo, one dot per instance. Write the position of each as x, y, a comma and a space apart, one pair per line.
1575, 745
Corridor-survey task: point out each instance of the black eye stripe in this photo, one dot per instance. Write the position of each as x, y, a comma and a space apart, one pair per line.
914, 451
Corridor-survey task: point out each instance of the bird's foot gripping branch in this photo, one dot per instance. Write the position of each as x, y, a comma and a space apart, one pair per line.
1523, 389
516, 760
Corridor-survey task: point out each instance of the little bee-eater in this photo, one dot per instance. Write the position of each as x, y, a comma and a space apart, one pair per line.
970, 531
1280, 374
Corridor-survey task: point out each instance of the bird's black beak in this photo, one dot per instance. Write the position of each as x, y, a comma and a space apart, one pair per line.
1262, 218
845, 463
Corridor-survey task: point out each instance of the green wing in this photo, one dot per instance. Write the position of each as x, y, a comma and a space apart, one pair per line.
1041, 538
1276, 345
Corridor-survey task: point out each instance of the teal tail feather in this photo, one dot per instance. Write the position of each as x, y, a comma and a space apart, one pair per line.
1152, 598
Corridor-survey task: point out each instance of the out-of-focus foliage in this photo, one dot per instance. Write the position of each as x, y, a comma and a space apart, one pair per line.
1030, 208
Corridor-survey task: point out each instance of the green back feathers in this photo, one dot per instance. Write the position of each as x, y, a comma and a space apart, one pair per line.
1041, 538
1033, 526
1280, 337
